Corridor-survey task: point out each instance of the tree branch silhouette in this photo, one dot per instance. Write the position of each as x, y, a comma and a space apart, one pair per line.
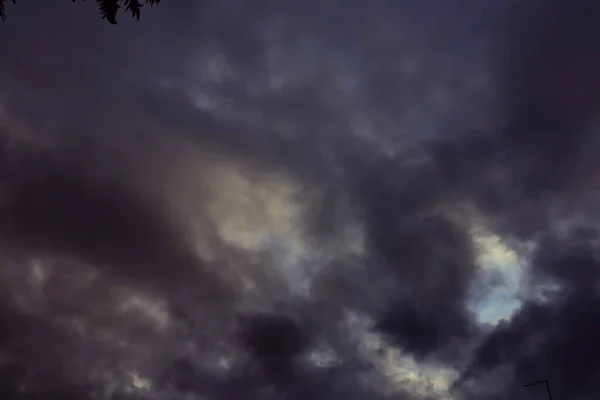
2, 14
108, 8
540, 382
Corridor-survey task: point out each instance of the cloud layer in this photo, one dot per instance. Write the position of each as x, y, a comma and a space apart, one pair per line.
299, 200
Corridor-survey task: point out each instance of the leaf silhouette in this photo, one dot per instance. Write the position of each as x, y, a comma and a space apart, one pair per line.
134, 7
108, 8
2, 14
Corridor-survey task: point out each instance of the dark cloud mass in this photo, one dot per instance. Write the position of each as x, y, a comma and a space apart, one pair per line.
284, 200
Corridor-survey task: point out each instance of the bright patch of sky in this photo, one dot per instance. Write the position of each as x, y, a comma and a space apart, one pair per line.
496, 307
499, 299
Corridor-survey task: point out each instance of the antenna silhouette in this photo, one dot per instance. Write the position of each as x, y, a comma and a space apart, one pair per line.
540, 382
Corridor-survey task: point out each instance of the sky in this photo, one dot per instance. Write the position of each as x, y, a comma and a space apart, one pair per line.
384, 200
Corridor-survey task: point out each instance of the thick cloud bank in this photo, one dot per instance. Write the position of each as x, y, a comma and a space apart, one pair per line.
290, 200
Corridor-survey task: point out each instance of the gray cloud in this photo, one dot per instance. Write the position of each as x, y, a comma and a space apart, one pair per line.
184, 193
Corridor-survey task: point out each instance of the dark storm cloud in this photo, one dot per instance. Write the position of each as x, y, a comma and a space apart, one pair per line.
552, 98
555, 338
430, 255
57, 206
398, 116
550, 144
